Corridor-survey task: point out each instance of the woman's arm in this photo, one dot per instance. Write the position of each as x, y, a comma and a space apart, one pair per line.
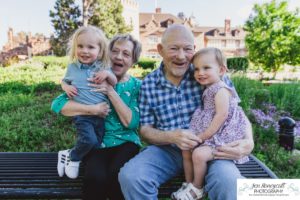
125, 112
72, 108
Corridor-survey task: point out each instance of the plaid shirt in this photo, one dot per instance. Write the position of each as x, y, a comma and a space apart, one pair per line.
166, 106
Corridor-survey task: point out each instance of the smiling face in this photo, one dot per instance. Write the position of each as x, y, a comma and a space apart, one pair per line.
207, 69
87, 48
177, 50
121, 57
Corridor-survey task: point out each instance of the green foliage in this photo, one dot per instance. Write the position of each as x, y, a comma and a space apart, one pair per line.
52, 61
65, 20
237, 64
281, 162
147, 63
108, 16
273, 36
286, 97
30, 126
10, 61
246, 88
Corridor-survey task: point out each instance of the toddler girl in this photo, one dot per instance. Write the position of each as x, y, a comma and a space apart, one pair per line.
218, 122
88, 51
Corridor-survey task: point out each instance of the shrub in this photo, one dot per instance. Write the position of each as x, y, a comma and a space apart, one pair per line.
237, 64
146, 63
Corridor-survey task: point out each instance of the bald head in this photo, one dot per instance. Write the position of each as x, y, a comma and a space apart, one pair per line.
177, 30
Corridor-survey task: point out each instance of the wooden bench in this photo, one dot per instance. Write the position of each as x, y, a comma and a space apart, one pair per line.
34, 176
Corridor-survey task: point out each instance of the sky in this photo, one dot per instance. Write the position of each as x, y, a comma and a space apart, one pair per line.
33, 15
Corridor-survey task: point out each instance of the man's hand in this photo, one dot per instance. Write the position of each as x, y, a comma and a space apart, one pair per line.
185, 139
234, 150
70, 90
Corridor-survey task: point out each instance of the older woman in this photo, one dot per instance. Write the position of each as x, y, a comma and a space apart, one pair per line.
121, 141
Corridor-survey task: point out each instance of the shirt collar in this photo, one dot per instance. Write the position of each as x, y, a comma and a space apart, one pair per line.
87, 66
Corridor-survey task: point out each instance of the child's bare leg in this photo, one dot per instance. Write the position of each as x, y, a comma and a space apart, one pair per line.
200, 157
188, 165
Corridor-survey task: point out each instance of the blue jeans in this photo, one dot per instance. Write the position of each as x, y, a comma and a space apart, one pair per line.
90, 131
143, 174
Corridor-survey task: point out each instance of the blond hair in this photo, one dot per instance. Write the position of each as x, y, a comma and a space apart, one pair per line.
220, 57
102, 42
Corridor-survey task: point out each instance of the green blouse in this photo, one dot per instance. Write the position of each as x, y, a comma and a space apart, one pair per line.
115, 132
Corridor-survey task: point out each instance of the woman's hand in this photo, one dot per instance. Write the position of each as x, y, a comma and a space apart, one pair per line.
104, 88
101, 109
234, 150
99, 77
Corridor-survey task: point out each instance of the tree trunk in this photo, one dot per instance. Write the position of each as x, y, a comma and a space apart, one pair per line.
86, 4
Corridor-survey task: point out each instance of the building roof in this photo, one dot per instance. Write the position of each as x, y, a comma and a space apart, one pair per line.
153, 22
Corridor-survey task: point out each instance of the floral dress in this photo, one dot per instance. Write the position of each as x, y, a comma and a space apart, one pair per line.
234, 126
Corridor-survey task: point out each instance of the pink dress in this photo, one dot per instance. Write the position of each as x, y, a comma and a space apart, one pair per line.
233, 128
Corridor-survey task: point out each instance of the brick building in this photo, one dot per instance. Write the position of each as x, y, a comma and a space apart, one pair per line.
229, 39
24, 45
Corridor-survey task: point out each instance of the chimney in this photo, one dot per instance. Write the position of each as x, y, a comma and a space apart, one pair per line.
10, 36
158, 10
227, 27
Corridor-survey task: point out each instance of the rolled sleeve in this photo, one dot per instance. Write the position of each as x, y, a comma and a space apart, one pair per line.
59, 102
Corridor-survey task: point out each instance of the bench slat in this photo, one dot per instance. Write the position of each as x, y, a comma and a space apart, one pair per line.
33, 175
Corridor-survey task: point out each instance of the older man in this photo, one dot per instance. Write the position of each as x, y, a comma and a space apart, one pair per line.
168, 98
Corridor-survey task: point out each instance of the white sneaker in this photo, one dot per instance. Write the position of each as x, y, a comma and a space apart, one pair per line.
61, 161
175, 194
72, 168
190, 193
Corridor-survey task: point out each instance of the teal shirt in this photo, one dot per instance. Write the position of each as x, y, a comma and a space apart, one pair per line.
115, 132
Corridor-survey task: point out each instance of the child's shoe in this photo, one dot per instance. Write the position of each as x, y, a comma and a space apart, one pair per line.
175, 194
190, 193
72, 168
61, 161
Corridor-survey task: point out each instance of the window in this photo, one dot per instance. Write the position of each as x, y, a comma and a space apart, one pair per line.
237, 43
152, 39
223, 43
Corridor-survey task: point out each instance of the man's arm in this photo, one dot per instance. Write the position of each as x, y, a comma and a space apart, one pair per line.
184, 139
237, 149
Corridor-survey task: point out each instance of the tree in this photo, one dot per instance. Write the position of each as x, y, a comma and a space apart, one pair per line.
273, 36
87, 11
65, 20
108, 16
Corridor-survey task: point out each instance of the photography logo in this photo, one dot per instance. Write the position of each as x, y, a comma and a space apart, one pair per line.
273, 189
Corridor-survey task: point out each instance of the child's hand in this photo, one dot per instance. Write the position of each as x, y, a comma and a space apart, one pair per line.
100, 76
70, 90
201, 139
